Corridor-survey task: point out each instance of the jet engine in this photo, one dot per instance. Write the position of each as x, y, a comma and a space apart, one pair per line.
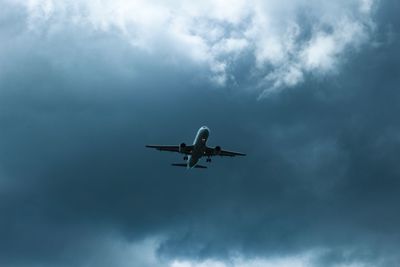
217, 150
182, 148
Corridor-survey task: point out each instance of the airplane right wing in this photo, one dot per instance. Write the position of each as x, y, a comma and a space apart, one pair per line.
230, 153
180, 149
217, 151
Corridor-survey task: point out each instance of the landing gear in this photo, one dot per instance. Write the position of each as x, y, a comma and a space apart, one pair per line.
208, 160
185, 158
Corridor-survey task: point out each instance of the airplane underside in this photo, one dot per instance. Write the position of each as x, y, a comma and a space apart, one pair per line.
193, 153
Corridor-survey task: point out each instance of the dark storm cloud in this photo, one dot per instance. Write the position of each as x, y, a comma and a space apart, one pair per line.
321, 172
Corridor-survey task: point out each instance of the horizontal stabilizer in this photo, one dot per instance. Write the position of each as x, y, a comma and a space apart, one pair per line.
185, 165
200, 166
179, 164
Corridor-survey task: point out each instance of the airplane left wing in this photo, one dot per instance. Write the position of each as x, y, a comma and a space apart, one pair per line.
217, 151
179, 149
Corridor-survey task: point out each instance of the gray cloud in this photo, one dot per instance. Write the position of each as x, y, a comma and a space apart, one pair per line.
286, 41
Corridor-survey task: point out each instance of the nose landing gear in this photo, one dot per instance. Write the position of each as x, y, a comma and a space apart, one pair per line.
208, 160
185, 158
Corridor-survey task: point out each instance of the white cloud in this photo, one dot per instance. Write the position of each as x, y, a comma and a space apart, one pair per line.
322, 51
296, 261
287, 38
113, 251
366, 6
144, 253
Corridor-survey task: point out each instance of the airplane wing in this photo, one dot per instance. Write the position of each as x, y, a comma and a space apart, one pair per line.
185, 149
217, 151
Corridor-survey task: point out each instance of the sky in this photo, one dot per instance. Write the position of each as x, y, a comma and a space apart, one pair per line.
308, 89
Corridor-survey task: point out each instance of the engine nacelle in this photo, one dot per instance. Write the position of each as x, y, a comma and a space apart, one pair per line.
182, 148
217, 150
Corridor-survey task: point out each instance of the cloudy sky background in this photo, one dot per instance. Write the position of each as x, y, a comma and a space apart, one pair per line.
308, 89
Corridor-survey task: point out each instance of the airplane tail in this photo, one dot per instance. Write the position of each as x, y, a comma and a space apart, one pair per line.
200, 166
185, 165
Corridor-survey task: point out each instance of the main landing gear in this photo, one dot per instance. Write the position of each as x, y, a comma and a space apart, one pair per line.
208, 160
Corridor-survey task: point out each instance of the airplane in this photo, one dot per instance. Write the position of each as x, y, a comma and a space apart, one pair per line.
198, 149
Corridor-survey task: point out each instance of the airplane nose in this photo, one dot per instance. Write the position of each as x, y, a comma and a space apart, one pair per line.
206, 130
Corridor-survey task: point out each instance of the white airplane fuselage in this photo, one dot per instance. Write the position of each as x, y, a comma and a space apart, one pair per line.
199, 146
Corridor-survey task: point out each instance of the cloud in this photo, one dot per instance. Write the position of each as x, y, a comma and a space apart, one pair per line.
295, 261
287, 41
112, 250
143, 253
321, 51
